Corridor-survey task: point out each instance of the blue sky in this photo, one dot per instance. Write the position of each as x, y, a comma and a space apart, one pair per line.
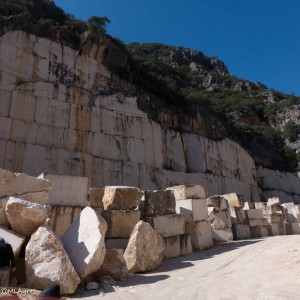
258, 40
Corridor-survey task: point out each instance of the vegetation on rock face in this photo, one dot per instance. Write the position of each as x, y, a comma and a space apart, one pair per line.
176, 75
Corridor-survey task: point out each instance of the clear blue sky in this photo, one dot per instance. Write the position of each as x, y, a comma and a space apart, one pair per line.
258, 40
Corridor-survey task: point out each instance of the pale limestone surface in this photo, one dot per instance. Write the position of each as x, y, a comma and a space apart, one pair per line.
139, 256
16, 240
222, 235
192, 209
25, 217
237, 215
241, 231
201, 235
273, 230
38, 197
47, 262
221, 220
120, 223
113, 265
259, 231
234, 199
121, 197
168, 225
68, 190
18, 184
182, 192
84, 242
96, 196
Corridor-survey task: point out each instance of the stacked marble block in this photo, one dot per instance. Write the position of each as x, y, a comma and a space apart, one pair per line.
121, 213
191, 203
219, 216
240, 228
159, 211
292, 215
267, 219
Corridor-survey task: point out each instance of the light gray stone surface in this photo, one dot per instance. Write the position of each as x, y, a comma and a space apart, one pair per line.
193, 209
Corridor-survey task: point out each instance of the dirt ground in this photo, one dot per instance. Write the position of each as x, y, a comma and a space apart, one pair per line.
266, 268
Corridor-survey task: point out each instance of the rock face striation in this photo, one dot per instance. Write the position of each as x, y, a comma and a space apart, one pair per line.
63, 112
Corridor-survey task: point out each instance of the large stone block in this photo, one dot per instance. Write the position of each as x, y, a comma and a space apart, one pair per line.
18, 183
25, 217
273, 230
273, 201
177, 245
145, 250
222, 235
292, 213
116, 244
254, 214
48, 263
84, 242
114, 265
192, 209
96, 196
259, 231
259, 205
257, 222
221, 219
16, 240
188, 191
237, 215
201, 235
3, 217
121, 197
38, 197
234, 199
168, 225
120, 223
218, 202
274, 214
159, 203
62, 217
241, 231
68, 190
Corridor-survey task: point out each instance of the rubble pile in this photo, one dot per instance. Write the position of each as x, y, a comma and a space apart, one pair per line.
65, 232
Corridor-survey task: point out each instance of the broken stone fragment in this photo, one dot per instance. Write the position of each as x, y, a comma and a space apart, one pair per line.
188, 191
84, 242
159, 203
25, 217
234, 199
18, 184
121, 197
114, 265
222, 220
145, 250
48, 263
222, 235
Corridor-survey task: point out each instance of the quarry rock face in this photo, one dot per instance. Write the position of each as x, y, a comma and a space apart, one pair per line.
84, 242
145, 249
47, 262
49, 122
24, 216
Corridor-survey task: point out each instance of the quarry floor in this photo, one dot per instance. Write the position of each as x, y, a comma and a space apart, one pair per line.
264, 268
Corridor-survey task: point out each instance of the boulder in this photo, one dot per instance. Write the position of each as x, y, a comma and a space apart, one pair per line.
25, 217
114, 265
84, 242
16, 240
121, 197
159, 203
188, 191
120, 223
18, 183
48, 263
145, 250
